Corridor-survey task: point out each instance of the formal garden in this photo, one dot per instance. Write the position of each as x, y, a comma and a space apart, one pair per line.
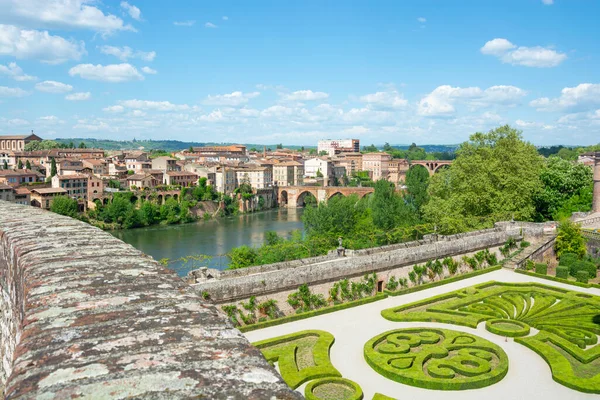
496, 334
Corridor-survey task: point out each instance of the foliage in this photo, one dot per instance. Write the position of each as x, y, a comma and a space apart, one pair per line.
242, 257
582, 276
565, 185
42, 145
303, 300
486, 183
569, 239
580, 265
562, 272
65, 205
333, 388
417, 182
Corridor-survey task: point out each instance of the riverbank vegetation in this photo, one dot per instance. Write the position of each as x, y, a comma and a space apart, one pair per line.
496, 176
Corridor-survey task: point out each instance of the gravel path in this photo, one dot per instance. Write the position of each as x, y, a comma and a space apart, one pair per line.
528, 377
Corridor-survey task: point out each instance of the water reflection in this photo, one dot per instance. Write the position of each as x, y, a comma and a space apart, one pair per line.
214, 237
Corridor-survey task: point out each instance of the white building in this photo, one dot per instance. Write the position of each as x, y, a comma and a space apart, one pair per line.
333, 147
257, 177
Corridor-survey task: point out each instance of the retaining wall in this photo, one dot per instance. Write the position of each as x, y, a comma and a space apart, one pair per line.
83, 315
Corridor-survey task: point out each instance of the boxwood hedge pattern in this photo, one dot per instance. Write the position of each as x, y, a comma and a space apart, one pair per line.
333, 389
568, 323
439, 359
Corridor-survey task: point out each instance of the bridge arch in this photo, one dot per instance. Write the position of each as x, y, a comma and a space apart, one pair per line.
335, 194
283, 198
440, 167
305, 196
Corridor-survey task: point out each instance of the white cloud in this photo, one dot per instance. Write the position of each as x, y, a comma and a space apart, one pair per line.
582, 96
61, 14
80, 96
132, 10
15, 72
231, 99
39, 45
53, 87
12, 92
136, 113
507, 52
184, 23
114, 73
422, 20
209, 25
124, 53
548, 2
305, 95
50, 120
389, 99
152, 105
441, 101
114, 109
148, 70
225, 18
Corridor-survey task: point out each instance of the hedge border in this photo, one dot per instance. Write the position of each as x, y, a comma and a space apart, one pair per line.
450, 279
419, 379
379, 396
288, 368
308, 391
313, 313
555, 279
524, 331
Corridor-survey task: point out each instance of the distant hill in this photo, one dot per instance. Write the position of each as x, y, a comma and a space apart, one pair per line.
431, 148
166, 145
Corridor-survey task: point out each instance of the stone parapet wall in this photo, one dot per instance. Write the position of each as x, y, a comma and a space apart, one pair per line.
86, 316
265, 280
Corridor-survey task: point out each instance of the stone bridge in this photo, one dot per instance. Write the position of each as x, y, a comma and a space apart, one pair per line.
158, 196
84, 315
294, 196
432, 166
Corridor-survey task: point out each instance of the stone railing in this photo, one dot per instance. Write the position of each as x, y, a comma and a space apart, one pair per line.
83, 315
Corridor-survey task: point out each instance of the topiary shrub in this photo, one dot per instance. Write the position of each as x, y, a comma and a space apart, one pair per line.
541, 268
562, 272
586, 266
582, 276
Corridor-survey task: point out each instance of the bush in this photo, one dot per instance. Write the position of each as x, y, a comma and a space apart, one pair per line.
529, 265
541, 268
588, 267
525, 243
582, 276
567, 259
562, 272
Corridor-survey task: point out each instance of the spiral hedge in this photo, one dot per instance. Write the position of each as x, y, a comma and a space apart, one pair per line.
439, 359
568, 323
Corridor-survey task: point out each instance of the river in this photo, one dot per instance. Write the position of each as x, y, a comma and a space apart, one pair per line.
215, 237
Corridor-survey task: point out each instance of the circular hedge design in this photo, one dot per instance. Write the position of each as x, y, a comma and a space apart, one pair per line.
439, 359
509, 328
333, 389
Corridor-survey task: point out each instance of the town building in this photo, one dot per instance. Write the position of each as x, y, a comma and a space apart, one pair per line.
43, 197
19, 177
181, 178
99, 167
290, 173
165, 164
142, 180
17, 142
6, 192
225, 180
95, 188
377, 164
333, 147
22, 195
257, 177
76, 185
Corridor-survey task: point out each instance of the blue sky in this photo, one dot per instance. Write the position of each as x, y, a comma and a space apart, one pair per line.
294, 72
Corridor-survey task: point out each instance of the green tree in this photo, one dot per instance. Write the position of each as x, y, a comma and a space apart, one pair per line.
5, 164
279, 146
71, 145
82, 145
569, 239
27, 165
370, 149
385, 205
272, 238
417, 182
53, 170
41, 145
323, 153
495, 176
242, 257
170, 211
149, 213
565, 185
567, 154
339, 216
65, 206
20, 165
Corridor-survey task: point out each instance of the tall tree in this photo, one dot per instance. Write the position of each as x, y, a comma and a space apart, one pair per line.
65, 206
28, 165
417, 182
5, 164
53, 170
20, 165
495, 176
385, 205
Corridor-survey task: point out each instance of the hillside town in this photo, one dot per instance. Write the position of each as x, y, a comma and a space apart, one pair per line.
36, 177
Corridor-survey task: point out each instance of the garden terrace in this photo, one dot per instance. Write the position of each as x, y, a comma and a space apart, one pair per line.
83, 315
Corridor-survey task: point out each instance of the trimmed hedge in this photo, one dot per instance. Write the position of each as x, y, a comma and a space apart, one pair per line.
492, 326
379, 396
541, 268
562, 272
553, 278
582, 276
310, 388
286, 357
451, 279
312, 313
403, 355
587, 266
567, 259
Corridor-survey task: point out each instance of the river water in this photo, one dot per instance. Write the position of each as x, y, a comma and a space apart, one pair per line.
215, 237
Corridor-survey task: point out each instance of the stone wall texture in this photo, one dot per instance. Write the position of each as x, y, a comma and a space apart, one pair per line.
235, 285
84, 315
